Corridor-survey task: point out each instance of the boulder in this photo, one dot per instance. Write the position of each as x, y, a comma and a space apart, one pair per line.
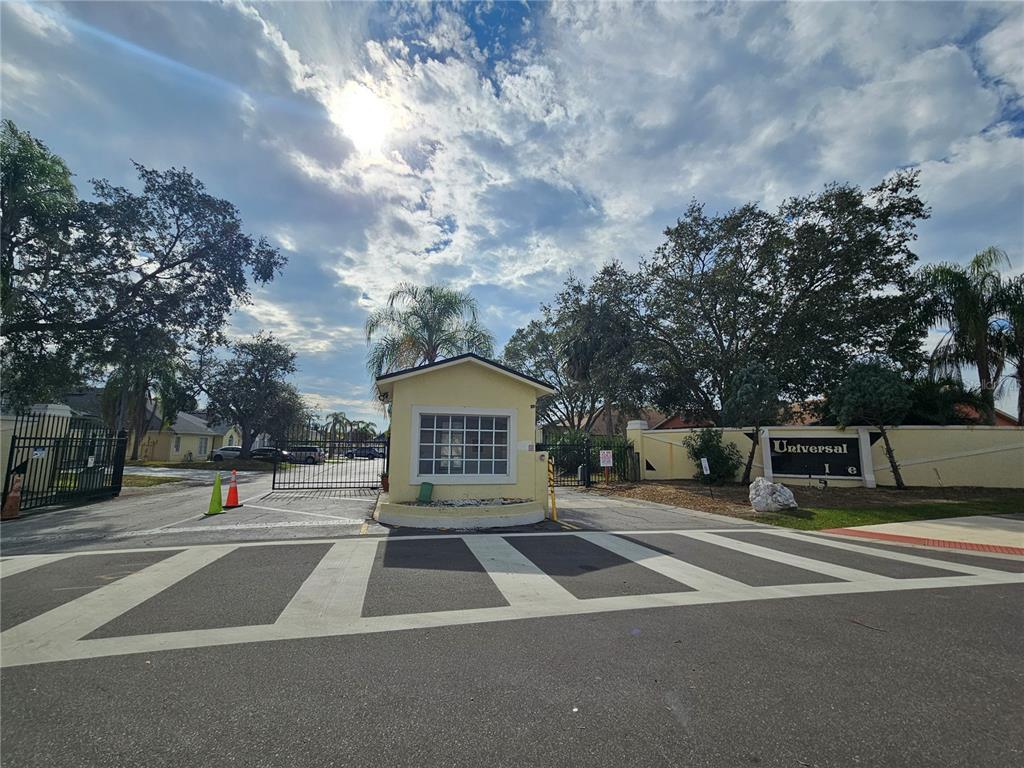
770, 497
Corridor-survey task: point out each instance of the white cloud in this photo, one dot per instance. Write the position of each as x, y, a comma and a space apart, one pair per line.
39, 20
1002, 50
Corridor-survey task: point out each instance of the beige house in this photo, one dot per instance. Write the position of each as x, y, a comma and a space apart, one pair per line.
187, 439
466, 426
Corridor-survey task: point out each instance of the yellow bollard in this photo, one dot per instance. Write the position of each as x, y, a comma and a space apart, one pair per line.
551, 488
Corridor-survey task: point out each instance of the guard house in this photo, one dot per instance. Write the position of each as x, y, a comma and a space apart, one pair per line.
466, 426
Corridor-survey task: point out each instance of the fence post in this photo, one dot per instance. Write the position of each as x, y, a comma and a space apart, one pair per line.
586, 462
120, 448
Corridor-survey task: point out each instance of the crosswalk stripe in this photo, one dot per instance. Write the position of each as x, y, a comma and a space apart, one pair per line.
67, 623
945, 565
666, 565
807, 563
333, 593
515, 575
27, 562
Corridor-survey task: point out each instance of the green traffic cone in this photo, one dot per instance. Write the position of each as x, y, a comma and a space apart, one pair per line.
216, 504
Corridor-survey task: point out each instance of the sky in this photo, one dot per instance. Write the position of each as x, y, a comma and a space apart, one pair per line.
499, 146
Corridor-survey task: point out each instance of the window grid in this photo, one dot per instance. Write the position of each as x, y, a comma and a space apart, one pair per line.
463, 445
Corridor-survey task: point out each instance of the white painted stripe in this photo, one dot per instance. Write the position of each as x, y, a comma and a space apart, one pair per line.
333, 593
303, 512
514, 574
807, 563
21, 563
86, 649
669, 566
947, 565
67, 623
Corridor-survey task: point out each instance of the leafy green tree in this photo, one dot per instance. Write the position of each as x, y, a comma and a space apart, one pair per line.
37, 203
362, 430
537, 350
250, 390
941, 401
752, 401
422, 324
805, 289
601, 337
724, 459
171, 257
877, 395
968, 303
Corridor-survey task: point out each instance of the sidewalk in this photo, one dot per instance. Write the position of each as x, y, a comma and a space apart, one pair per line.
1000, 534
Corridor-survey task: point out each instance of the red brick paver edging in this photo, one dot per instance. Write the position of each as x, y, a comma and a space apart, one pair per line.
998, 549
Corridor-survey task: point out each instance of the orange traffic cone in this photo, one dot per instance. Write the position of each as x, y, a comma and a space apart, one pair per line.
233, 502
12, 504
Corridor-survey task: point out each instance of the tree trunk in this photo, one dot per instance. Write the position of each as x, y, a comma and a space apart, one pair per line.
750, 457
247, 438
141, 416
892, 460
1020, 402
608, 427
987, 387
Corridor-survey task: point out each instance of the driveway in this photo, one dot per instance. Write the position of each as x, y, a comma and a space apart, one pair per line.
184, 472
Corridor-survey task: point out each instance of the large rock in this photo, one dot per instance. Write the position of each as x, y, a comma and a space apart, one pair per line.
770, 497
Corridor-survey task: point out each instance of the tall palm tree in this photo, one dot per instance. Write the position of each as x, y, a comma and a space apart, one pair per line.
421, 324
968, 303
1012, 337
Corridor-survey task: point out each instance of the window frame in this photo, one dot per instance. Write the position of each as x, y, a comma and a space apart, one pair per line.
177, 443
415, 478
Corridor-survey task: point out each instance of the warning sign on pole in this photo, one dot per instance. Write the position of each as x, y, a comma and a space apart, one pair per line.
606, 459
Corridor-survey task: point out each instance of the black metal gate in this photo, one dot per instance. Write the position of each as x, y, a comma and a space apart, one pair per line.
578, 463
324, 459
63, 460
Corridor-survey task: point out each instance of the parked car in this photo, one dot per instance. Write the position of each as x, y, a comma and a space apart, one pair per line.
227, 453
364, 452
274, 455
307, 454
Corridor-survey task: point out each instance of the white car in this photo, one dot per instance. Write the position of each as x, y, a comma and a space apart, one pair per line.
227, 453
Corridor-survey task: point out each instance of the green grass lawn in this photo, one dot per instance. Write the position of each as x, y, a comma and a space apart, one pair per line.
145, 481
818, 518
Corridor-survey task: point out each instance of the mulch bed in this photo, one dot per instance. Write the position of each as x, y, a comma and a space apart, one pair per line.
732, 499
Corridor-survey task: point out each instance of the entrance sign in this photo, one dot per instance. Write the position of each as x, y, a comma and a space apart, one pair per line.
606, 459
837, 457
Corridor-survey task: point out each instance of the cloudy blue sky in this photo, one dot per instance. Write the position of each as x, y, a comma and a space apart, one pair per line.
498, 146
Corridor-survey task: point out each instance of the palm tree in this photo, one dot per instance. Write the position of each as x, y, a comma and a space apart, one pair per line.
967, 302
1012, 337
421, 324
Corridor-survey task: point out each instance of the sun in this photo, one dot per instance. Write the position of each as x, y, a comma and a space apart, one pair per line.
365, 118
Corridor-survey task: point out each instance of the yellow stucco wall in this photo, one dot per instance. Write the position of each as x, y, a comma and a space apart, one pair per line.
159, 446
991, 457
463, 386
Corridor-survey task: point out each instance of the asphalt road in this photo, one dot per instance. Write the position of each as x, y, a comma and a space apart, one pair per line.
688, 640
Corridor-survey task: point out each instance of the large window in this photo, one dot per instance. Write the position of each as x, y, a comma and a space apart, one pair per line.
202, 445
177, 443
470, 446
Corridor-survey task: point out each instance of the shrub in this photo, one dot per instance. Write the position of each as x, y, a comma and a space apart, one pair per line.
724, 459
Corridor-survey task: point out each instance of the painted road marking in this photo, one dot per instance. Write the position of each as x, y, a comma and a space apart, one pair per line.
329, 602
517, 577
669, 566
65, 624
13, 565
333, 592
808, 564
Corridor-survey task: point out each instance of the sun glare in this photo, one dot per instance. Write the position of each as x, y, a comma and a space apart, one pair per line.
365, 118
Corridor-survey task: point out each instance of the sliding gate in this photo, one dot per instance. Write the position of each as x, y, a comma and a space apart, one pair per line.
323, 460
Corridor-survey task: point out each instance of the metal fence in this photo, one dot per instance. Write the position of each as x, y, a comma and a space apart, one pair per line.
64, 460
578, 463
320, 459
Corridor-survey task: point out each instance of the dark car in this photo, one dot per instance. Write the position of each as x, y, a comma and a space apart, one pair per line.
364, 452
269, 454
